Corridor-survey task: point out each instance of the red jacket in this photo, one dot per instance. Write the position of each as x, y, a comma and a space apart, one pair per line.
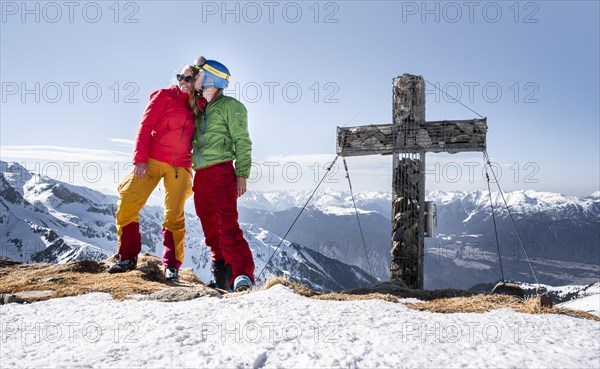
167, 129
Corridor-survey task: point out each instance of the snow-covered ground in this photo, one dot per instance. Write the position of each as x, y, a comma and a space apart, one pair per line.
277, 328
590, 304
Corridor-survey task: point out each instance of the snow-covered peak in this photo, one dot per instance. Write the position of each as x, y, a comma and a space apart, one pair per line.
327, 200
522, 201
337, 210
339, 202
37, 188
16, 175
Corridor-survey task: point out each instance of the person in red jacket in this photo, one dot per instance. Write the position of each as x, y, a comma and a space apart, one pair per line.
162, 151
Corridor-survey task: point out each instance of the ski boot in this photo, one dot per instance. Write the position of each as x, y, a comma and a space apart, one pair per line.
222, 275
172, 274
122, 266
242, 283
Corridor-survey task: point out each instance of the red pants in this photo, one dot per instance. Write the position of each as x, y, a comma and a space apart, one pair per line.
215, 199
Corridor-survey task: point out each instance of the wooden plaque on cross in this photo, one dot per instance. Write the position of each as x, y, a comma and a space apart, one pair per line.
408, 138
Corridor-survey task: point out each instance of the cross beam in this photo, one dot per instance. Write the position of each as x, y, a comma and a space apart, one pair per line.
408, 138
449, 136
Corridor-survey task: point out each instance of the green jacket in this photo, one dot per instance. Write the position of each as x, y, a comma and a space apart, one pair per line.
222, 135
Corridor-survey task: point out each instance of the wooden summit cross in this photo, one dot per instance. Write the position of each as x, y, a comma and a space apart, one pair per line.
408, 138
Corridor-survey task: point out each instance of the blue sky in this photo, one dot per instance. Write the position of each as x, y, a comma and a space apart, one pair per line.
76, 79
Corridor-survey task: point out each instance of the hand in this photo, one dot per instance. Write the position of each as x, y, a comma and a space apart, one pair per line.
140, 170
241, 185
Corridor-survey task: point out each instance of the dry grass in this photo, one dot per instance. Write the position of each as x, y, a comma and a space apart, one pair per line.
89, 276
296, 287
485, 303
472, 304
479, 303
347, 297
531, 305
302, 290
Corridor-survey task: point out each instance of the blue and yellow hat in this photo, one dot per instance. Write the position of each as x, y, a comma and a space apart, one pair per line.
215, 75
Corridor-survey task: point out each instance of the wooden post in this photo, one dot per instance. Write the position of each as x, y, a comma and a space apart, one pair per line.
408, 192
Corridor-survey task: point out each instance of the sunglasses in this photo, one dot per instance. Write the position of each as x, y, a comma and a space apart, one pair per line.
187, 79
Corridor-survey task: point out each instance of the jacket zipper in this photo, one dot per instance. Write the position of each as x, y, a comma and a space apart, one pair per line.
203, 130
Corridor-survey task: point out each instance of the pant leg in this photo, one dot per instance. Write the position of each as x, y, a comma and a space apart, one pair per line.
223, 200
178, 188
206, 214
133, 194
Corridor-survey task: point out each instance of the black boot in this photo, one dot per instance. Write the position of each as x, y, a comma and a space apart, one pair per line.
222, 274
123, 266
172, 274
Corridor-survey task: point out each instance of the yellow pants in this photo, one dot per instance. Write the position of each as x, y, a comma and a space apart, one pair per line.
133, 194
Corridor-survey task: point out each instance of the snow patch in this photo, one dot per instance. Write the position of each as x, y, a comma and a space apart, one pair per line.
591, 304
277, 328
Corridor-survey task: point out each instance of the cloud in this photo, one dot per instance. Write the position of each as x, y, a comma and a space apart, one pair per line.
307, 159
124, 141
63, 153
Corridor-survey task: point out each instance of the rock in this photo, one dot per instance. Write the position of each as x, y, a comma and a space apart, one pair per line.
7, 298
4, 262
423, 139
465, 127
34, 295
546, 301
151, 272
508, 288
87, 266
460, 138
50, 279
432, 136
175, 294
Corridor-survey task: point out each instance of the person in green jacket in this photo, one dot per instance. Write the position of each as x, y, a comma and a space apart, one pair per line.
221, 137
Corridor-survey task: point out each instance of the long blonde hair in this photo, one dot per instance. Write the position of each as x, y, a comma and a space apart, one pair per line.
193, 94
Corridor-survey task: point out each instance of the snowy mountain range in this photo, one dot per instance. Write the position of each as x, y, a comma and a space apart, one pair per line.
328, 201
561, 294
44, 220
561, 233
